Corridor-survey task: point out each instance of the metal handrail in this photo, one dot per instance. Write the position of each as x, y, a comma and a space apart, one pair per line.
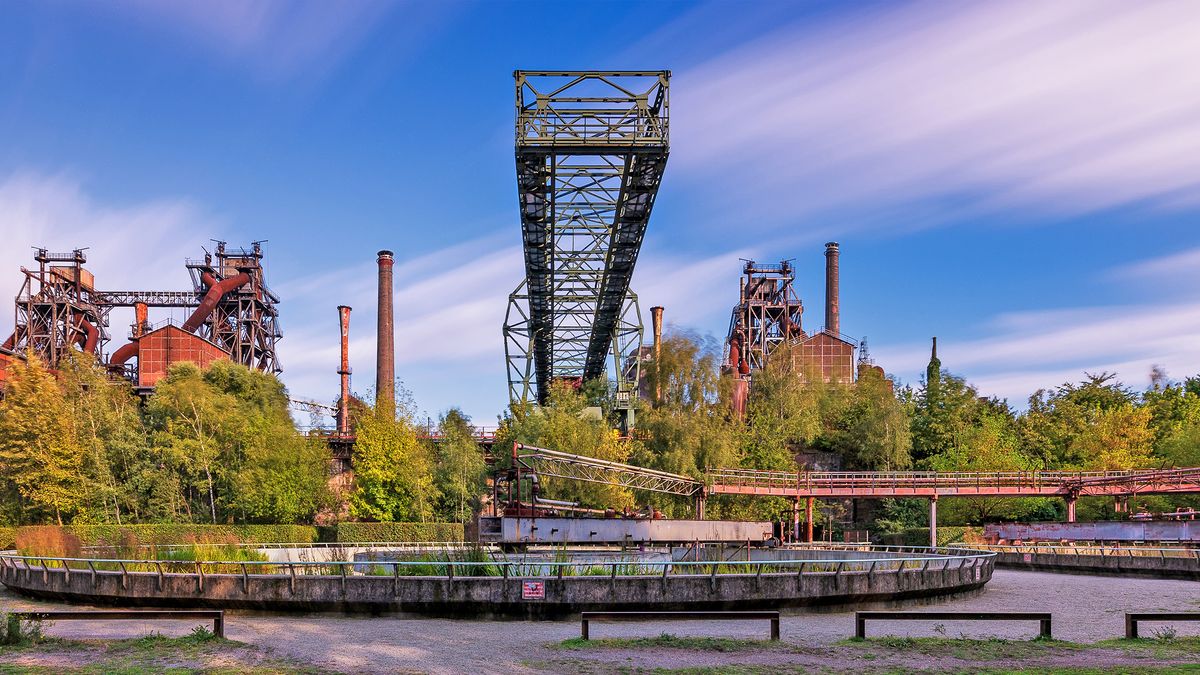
1074, 549
524, 568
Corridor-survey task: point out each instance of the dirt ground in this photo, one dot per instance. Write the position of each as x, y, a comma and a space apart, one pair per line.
1086, 610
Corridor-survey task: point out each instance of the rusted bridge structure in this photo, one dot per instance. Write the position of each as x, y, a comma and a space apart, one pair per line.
812, 485
591, 148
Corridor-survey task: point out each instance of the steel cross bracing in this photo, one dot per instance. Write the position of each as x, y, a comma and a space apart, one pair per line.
590, 152
544, 462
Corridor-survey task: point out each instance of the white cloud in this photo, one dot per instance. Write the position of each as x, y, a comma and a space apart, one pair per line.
449, 308
1061, 107
138, 246
275, 38
1044, 349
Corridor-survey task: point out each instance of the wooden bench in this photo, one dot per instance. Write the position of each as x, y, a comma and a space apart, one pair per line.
773, 617
861, 618
217, 616
1132, 619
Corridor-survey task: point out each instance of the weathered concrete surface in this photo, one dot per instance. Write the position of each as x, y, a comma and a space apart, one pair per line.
494, 596
1118, 564
1152, 530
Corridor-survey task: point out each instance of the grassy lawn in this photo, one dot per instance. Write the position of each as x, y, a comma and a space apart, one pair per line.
199, 652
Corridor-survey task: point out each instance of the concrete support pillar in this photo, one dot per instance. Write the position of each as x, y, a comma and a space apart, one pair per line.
1071, 509
796, 519
808, 516
933, 521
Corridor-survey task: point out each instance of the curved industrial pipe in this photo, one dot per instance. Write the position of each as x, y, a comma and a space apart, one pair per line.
215, 292
126, 352
91, 335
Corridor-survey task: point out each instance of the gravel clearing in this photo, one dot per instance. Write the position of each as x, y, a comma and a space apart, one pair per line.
1085, 608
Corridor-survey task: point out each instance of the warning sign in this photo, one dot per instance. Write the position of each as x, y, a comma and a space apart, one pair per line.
533, 590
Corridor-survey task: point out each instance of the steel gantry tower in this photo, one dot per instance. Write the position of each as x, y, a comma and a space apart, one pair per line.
590, 148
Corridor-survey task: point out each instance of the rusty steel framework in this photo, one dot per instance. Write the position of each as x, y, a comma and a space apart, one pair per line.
591, 148
767, 315
244, 321
57, 308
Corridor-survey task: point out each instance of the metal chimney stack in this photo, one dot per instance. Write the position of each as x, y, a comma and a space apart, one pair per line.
656, 323
385, 368
832, 304
343, 409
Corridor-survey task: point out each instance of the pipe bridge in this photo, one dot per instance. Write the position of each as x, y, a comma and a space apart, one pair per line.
591, 148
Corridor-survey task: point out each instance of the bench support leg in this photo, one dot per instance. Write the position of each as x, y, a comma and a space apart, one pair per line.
219, 625
1045, 631
775, 629
1130, 628
584, 634
860, 626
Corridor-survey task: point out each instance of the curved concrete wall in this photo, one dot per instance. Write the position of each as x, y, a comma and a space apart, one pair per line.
492, 596
1113, 565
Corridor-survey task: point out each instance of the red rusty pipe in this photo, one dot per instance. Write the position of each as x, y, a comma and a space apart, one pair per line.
214, 295
92, 333
343, 411
126, 352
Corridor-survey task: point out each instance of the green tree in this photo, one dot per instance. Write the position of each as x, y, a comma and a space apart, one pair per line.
460, 473
393, 469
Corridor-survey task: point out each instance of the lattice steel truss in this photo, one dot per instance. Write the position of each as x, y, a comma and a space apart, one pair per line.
591, 148
767, 314
245, 322
543, 462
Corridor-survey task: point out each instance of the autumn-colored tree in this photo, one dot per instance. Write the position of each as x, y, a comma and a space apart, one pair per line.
40, 456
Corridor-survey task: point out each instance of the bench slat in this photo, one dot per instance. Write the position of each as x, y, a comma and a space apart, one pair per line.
217, 616
588, 617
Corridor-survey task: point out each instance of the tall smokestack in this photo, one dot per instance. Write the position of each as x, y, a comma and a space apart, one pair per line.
385, 359
343, 410
832, 304
656, 323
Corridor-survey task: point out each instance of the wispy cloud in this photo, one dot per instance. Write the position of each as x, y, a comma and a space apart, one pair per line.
1061, 107
274, 38
1030, 351
55, 211
450, 306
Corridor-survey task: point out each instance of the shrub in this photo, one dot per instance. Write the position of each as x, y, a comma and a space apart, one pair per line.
47, 540
397, 532
127, 539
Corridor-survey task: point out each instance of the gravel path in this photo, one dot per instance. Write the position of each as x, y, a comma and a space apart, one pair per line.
1086, 609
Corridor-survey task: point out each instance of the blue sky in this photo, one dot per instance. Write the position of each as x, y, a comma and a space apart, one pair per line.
1020, 179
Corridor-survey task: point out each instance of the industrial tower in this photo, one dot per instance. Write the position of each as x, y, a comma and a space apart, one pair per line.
590, 149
